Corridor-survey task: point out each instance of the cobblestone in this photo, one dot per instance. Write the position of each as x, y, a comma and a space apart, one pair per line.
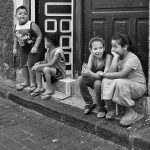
23, 129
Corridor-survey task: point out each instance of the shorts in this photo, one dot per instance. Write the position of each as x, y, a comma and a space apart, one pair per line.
29, 59
56, 77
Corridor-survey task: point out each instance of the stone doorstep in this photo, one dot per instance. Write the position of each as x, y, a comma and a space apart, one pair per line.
69, 87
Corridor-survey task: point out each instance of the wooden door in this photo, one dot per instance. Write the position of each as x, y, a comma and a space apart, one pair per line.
106, 17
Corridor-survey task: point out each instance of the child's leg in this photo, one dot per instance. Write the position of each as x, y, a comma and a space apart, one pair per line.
25, 75
38, 79
100, 103
32, 77
39, 89
84, 83
48, 73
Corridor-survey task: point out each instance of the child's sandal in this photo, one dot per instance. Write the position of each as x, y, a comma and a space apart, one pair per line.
101, 114
87, 109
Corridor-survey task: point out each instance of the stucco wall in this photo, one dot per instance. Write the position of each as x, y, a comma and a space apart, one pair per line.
149, 54
6, 38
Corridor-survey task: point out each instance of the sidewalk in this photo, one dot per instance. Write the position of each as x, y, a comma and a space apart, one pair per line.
136, 137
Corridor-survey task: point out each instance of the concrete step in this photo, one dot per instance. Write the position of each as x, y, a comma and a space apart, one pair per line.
69, 87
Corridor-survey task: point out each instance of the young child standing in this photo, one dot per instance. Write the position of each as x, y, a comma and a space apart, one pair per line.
53, 67
28, 36
97, 62
128, 79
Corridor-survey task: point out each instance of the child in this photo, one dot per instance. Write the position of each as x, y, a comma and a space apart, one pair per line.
128, 80
29, 36
97, 61
53, 67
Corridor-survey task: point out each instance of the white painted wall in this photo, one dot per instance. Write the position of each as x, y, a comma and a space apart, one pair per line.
32, 10
16, 3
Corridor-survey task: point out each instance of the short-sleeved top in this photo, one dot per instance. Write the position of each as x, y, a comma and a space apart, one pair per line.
132, 61
25, 35
96, 64
60, 63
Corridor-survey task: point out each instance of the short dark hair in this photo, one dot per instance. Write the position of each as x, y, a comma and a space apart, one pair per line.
21, 7
53, 37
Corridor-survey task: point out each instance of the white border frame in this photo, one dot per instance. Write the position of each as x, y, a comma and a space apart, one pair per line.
70, 25
33, 10
68, 53
70, 41
57, 3
55, 25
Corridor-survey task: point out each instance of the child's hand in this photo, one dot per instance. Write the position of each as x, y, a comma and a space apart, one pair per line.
35, 67
37, 63
114, 54
14, 51
34, 50
100, 73
86, 72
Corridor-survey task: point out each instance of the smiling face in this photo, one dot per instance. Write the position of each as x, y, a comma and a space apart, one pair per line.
117, 48
97, 49
22, 16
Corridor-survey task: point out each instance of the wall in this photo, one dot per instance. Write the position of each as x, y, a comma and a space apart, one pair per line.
149, 54
6, 38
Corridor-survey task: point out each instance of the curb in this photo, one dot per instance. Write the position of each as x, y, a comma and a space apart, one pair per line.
70, 115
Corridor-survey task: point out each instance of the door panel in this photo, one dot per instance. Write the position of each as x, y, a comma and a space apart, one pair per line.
106, 17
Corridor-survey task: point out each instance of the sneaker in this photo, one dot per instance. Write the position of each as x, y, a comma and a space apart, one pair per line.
130, 117
88, 109
101, 114
110, 114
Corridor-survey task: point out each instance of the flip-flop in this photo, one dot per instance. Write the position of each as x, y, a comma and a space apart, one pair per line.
36, 93
47, 95
21, 86
88, 108
30, 88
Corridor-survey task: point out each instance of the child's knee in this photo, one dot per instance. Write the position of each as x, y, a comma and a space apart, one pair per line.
120, 83
97, 84
80, 80
46, 70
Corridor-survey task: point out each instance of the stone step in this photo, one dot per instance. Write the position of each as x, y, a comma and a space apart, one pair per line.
69, 87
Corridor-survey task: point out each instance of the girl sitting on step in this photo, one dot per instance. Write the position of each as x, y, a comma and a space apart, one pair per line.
126, 82
53, 68
98, 61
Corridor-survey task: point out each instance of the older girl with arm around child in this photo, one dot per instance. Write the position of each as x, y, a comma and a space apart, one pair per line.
128, 81
97, 61
53, 67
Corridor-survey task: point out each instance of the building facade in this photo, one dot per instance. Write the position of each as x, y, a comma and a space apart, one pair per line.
77, 21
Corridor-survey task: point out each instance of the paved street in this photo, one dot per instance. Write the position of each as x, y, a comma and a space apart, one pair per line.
23, 129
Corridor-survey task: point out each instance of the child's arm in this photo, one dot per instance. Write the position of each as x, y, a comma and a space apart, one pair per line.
113, 66
90, 62
50, 63
15, 45
108, 62
118, 75
38, 33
